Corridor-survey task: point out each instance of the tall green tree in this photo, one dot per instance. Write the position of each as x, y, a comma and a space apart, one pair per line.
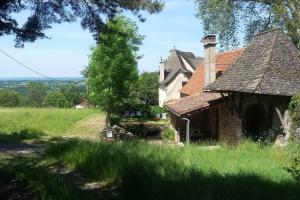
148, 88
232, 18
112, 69
56, 99
43, 14
72, 94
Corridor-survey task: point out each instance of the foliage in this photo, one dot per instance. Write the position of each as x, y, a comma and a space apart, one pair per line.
72, 93
294, 146
294, 109
148, 88
9, 98
157, 110
43, 14
112, 70
168, 134
56, 99
231, 19
50, 121
293, 155
248, 171
36, 93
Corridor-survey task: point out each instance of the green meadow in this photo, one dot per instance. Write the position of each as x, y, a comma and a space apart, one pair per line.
49, 121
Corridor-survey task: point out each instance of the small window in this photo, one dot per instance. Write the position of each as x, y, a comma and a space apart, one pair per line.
219, 73
184, 83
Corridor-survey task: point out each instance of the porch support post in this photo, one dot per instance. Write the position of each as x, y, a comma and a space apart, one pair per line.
187, 132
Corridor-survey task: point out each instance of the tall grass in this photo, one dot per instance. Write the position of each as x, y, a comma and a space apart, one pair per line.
49, 120
44, 184
142, 171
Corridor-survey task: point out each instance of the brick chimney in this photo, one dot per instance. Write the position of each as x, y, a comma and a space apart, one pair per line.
209, 58
161, 70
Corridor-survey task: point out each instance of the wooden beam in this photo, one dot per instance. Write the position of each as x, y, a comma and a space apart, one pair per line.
226, 102
233, 105
241, 105
285, 122
263, 109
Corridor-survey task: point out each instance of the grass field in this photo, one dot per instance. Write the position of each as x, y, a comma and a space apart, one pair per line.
143, 171
139, 170
50, 121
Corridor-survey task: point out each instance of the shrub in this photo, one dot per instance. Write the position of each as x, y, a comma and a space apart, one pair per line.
168, 134
9, 98
154, 110
294, 146
294, 160
294, 109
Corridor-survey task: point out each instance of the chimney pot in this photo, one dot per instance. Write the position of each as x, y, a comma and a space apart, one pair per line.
209, 40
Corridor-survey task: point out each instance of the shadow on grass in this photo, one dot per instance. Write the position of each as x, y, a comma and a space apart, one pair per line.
38, 178
157, 176
25, 134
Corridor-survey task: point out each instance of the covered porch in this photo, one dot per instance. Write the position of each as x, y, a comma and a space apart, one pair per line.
195, 117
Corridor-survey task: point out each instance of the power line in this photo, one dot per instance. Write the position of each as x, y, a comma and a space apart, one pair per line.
25, 66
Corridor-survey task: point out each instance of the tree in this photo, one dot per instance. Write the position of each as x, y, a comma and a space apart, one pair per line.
148, 88
36, 93
43, 14
112, 69
232, 18
9, 98
56, 99
72, 94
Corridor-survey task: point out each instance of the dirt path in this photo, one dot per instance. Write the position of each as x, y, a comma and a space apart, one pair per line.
87, 128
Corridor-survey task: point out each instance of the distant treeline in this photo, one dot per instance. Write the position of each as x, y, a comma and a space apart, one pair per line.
69, 93
41, 94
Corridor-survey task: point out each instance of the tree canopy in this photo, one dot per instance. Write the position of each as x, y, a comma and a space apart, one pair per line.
112, 70
232, 18
43, 14
148, 88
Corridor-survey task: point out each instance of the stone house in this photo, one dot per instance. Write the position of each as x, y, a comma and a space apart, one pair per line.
195, 104
175, 73
258, 88
250, 98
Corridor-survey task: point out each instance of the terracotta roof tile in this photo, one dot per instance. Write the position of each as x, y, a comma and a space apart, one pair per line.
191, 103
223, 62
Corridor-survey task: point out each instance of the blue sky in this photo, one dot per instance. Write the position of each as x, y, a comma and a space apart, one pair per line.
66, 53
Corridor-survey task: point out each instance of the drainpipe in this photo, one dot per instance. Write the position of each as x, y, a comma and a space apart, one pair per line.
187, 133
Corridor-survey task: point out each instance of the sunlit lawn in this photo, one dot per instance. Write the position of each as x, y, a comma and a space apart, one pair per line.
53, 122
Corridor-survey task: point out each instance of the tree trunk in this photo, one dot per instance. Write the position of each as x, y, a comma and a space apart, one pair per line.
108, 118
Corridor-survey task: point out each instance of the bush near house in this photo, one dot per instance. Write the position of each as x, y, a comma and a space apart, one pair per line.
168, 134
154, 110
294, 146
294, 108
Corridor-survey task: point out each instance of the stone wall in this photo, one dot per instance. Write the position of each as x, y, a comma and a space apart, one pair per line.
229, 125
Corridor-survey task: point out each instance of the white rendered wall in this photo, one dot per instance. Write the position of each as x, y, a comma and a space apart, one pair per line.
162, 96
173, 88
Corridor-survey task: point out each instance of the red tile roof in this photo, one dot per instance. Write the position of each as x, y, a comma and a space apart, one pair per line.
191, 103
223, 62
